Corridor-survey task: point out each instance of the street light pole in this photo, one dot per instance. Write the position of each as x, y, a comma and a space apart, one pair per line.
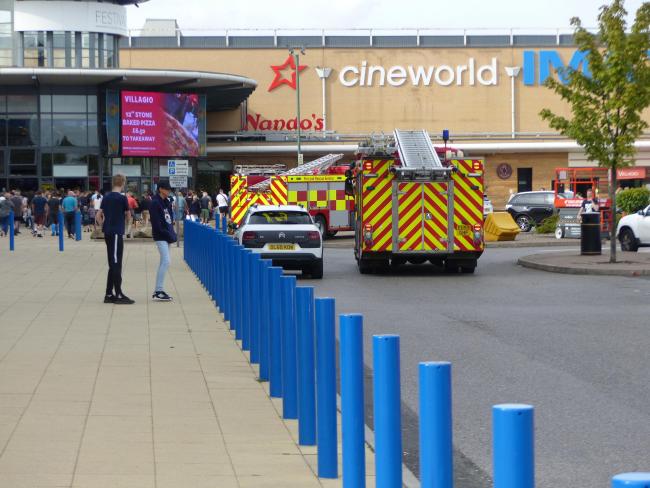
295, 52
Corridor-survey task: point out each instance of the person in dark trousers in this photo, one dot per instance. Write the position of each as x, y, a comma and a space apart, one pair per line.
70, 206
162, 228
53, 213
112, 217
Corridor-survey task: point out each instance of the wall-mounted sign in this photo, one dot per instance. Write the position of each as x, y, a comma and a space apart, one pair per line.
178, 181
255, 122
631, 173
177, 167
504, 171
61, 16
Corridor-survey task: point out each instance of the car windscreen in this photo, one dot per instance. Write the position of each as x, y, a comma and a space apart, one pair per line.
275, 217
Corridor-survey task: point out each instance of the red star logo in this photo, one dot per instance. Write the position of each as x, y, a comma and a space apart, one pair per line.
281, 79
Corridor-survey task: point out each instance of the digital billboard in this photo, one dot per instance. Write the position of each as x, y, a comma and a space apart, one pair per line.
162, 124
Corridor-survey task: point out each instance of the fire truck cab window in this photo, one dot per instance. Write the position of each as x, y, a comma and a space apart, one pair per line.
270, 218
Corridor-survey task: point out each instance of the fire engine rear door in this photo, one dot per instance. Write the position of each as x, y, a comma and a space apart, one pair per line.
421, 217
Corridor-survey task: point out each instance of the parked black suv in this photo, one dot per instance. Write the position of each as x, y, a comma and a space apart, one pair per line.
529, 208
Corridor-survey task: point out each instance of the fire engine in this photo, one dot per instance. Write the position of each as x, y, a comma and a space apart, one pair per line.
318, 186
411, 206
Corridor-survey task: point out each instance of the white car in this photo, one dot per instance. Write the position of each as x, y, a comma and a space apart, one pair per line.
633, 230
286, 234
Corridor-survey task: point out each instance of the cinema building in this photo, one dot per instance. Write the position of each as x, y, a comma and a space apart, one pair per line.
82, 97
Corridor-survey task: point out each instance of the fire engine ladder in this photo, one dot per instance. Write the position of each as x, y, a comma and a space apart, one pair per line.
417, 155
320, 164
259, 169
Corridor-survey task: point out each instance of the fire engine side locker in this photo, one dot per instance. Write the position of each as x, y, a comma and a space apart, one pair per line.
422, 217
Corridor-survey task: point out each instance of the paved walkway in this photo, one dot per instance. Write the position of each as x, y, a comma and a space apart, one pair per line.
152, 395
571, 262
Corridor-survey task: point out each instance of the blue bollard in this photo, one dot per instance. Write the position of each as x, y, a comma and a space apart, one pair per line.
12, 237
224, 224
289, 350
513, 446
244, 309
326, 388
352, 413
77, 225
61, 231
265, 319
306, 367
254, 332
275, 332
436, 451
386, 409
631, 480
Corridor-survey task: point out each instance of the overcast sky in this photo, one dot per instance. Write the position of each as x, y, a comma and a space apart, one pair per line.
342, 14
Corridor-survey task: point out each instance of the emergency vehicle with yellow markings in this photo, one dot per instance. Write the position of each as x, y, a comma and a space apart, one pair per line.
317, 186
412, 206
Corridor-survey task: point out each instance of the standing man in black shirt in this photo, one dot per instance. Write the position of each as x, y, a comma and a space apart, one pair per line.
112, 216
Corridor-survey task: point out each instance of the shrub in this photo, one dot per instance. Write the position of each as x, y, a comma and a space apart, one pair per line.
633, 199
548, 225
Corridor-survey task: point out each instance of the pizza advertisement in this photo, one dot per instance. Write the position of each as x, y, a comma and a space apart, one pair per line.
161, 124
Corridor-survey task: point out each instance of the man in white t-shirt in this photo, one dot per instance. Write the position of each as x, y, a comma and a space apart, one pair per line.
95, 204
222, 202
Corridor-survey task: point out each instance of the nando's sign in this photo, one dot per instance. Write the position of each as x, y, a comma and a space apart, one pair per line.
255, 122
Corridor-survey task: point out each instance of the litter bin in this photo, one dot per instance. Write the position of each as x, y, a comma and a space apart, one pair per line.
590, 243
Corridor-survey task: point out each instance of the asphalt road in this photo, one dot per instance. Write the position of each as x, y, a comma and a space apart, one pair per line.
575, 347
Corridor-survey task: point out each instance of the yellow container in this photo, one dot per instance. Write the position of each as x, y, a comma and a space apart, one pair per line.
500, 226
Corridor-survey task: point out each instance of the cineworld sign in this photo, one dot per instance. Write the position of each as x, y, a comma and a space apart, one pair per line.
536, 67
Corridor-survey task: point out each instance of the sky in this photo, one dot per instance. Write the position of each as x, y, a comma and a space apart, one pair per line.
533, 15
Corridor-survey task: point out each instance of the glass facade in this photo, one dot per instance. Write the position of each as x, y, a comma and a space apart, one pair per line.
65, 50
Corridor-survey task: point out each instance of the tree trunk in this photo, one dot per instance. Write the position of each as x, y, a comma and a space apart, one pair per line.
612, 227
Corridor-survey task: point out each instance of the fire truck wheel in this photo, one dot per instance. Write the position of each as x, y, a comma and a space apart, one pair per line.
467, 269
365, 266
451, 267
331, 233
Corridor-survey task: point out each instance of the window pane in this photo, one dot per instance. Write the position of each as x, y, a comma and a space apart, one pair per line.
69, 130
3, 132
22, 130
69, 103
46, 103
92, 103
46, 130
22, 103
93, 137
2, 166
69, 158
93, 165
46, 164
23, 156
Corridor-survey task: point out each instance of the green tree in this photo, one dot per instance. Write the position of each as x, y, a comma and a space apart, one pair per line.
607, 106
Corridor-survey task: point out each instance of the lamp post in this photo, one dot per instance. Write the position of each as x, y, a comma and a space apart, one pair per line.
295, 52
513, 72
323, 74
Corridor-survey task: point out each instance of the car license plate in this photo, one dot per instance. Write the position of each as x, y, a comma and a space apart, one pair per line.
281, 247
464, 230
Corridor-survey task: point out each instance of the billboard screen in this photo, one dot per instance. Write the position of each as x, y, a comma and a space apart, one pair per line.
162, 124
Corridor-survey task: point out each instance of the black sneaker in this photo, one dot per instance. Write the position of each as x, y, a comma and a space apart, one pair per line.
161, 296
123, 300
109, 299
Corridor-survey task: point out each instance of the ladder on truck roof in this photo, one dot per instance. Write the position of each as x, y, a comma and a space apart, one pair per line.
318, 164
417, 155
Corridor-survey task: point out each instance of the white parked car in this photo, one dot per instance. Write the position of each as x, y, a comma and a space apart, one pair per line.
633, 230
286, 234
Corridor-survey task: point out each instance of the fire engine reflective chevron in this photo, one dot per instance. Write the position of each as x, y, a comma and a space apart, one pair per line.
376, 196
422, 216
468, 203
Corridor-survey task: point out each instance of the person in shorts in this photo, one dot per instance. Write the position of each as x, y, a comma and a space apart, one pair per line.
39, 212
206, 206
222, 202
112, 217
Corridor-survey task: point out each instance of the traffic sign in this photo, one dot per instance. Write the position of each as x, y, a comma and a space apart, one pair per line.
176, 181
178, 167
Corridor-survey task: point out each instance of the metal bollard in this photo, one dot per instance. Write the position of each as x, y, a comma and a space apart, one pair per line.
77, 225
256, 278
631, 480
306, 367
275, 332
12, 237
436, 451
386, 408
60, 222
352, 413
244, 309
513, 446
224, 224
289, 351
265, 319
326, 388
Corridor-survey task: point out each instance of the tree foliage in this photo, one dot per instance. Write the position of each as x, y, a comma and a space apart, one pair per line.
633, 199
606, 107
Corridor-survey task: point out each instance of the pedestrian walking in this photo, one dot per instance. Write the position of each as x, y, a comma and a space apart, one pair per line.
162, 229
39, 212
95, 205
112, 217
19, 208
145, 206
6, 206
195, 208
70, 206
53, 204
206, 206
222, 202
